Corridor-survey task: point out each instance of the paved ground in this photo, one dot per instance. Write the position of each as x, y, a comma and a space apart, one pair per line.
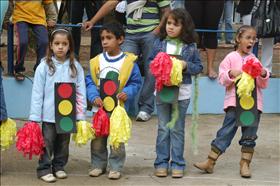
138, 169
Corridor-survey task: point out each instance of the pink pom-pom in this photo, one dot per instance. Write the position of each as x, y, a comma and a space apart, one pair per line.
161, 67
30, 139
252, 67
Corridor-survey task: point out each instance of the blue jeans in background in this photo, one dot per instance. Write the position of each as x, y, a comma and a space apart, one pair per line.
56, 152
170, 142
141, 44
3, 110
177, 4
227, 18
225, 134
99, 155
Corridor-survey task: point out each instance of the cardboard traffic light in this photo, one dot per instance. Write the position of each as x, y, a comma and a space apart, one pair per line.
65, 107
108, 93
247, 110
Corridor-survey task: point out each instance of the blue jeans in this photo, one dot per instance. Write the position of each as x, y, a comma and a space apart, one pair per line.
177, 4
3, 110
41, 35
141, 44
227, 19
99, 155
170, 142
57, 146
225, 134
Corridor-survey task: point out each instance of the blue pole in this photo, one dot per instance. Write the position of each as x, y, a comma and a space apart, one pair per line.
10, 47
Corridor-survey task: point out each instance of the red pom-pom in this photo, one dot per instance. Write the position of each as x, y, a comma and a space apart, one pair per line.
161, 68
101, 123
30, 139
252, 67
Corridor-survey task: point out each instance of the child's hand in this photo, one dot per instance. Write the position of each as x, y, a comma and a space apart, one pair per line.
263, 73
122, 96
98, 102
50, 23
234, 73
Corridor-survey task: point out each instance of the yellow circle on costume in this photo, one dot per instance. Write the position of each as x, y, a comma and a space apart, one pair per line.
65, 107
247, 102
109, 103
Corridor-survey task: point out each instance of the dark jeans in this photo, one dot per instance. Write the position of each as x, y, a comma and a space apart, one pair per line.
206, 15
3, 110
56, 151
41, 35
76, 16
225, 134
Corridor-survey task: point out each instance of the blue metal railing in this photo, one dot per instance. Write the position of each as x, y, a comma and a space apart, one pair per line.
10, 41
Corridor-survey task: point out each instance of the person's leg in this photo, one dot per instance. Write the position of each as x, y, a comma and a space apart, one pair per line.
146, 99
3, 110
220, 27
61, 152
177, 137
41, 34
228, 16
92, 8
99, 153
163, 136
248, 142
246, 19
213, 11
117, 158
45, 161
21, 29
76, 16
225, 134
267, 53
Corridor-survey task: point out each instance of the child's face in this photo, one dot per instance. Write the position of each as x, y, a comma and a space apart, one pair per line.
246, 41
173, 29
110, 43
60, 46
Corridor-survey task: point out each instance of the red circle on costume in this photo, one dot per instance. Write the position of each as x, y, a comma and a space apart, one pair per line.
110, 87
65, 90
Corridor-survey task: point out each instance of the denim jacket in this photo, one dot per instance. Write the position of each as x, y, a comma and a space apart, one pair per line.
189, 54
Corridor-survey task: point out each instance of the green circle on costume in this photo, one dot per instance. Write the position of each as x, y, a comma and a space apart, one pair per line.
109, 103
112, 75
166, 94
247, 118
247, 102
66, 124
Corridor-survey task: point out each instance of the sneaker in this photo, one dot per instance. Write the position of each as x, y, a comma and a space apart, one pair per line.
177, 173
95, 172
143, 116
48, 178
161, 172
60, 174
114, 175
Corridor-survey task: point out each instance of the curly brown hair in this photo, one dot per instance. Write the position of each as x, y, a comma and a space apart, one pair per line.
188, 34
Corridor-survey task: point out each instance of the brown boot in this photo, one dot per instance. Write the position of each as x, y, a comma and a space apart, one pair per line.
246, 157
208, 165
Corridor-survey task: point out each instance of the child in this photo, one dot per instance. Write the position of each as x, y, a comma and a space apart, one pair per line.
59, 66
36, 15
229, 69
129, 77
177, 37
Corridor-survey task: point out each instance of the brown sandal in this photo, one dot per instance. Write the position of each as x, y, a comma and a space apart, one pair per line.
19, 76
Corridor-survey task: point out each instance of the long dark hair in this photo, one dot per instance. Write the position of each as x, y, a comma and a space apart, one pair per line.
188, 34
70, 53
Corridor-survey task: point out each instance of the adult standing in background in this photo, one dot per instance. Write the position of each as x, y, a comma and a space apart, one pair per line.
77, 8
226, 18
206, 15
144, 18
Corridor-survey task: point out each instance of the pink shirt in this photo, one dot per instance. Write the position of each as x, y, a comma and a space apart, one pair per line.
235, 61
